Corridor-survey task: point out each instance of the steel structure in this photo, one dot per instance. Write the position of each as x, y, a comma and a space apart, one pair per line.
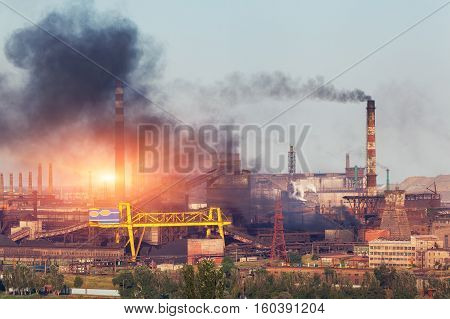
132, 221
365, 206
278, 249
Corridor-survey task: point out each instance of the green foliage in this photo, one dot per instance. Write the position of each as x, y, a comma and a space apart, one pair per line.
189, 288
441, 287
207, 283
22, 280
295, 258
125, 283
397, 284
371, 288
385, 276
330, 276
54, 278
145, 283
227, 265
404, 286
78, 282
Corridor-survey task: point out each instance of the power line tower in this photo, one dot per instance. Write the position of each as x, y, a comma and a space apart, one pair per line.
278, 250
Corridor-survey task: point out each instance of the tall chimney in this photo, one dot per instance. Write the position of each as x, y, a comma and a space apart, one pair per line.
50, 178
291, 160
347, 160
39, 181
119, 143
20, 184
30, 182
371, 150
11, 183
2, 184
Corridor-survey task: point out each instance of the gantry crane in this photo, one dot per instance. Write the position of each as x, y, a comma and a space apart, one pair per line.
131, 221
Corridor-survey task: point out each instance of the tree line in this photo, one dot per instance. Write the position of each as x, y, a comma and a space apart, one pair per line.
209, 281
23, 280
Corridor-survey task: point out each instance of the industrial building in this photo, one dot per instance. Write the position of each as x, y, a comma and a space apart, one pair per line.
227, 210
404, 253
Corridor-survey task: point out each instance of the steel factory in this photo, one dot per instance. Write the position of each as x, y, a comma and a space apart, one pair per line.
343, 218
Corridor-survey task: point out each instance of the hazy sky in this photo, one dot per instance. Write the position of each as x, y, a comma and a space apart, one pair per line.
204, 41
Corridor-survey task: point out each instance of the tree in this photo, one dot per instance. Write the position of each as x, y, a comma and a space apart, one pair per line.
442, 287
227, 265
371, 288
385, 276
55, 279
145, 282
404, 286
189, 288
78, 282
167, 285
330, 275
210, 280
294, 258
126, 284
21, 280
260, 285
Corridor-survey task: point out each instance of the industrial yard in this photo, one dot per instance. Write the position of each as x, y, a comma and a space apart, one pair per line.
101, 184
257, 220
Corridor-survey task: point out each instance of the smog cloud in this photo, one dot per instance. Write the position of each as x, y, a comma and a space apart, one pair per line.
62, 88
65, 103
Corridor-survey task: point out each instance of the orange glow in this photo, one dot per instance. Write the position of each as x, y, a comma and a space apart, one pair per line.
108, 177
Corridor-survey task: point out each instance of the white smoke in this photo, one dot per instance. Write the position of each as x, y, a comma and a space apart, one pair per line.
300, 188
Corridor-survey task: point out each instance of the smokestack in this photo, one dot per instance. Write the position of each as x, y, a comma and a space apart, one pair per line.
291, 160
371, 150
30, 182
2, 185
347, 160
11, 183
20, 184
119, 143
39, 181
50, 178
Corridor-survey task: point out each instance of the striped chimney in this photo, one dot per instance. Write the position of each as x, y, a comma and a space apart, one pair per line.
11, 183
371, 150
20, 184
2, 184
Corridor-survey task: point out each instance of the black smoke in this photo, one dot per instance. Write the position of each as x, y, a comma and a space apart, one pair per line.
238, 89
64, 90
282, 86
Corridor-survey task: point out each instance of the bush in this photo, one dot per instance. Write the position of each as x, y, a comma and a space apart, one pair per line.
78, 282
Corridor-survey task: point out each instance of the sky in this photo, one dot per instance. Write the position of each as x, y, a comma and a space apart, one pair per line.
204, 41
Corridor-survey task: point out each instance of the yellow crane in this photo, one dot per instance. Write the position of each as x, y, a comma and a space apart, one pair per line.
125, 219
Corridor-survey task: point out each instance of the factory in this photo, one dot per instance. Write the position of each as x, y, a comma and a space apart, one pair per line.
227, 210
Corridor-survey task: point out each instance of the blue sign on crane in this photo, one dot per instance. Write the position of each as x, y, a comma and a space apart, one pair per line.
104, 215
